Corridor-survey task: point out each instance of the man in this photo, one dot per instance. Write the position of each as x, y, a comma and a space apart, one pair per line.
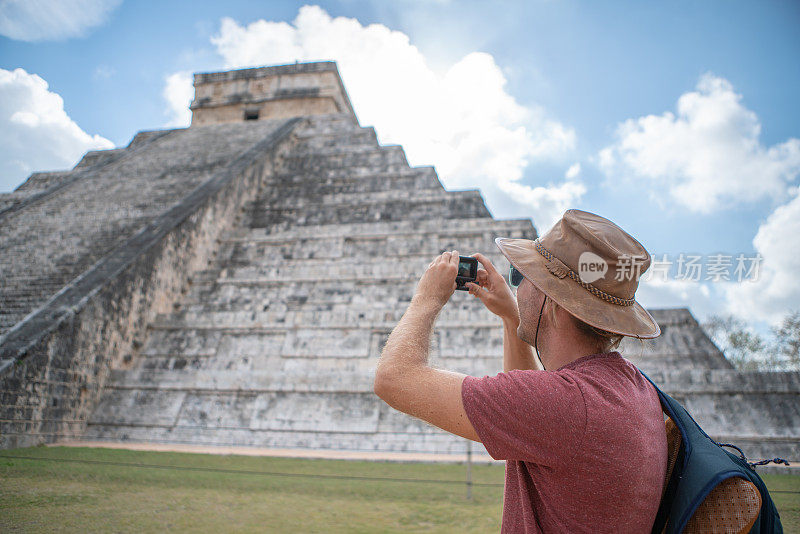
583, 436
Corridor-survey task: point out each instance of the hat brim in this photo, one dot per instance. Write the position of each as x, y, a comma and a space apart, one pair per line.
632, 320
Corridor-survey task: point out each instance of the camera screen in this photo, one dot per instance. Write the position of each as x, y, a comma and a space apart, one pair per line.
465, 269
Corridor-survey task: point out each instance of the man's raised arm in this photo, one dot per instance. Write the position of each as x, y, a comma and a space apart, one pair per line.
495, 294
403, 378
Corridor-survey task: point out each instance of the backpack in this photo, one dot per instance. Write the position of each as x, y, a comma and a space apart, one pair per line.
701, 465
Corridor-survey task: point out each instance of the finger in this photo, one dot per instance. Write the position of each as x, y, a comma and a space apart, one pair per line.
486, 262
482, 277
454, 258
470, 289
474, 289
444, 257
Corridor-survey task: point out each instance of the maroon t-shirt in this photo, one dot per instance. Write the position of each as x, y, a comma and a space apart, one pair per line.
586, 446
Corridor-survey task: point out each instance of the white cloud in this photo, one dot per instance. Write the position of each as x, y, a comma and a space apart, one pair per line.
461, 120
35, 131
48, 20
548, 203
708, 155
103, 72
776, 291
178, 92
657, 292
573, 171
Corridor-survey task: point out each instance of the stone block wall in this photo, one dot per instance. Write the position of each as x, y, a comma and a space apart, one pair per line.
54, 363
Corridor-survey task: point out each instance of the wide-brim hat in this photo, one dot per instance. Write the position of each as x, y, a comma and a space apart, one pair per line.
590, 267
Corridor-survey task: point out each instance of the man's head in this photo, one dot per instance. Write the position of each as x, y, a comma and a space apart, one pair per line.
557, 327
585, 272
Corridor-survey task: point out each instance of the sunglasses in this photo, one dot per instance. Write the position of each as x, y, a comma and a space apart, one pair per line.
514, 277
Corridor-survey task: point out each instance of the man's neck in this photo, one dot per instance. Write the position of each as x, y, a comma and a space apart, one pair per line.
565, 350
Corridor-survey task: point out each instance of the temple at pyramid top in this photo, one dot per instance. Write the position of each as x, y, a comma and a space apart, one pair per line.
277, 92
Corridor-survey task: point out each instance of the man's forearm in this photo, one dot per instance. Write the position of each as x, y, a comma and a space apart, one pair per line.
409, 343
516, 353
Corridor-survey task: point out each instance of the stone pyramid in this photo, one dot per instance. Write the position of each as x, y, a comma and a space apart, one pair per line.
275, 343
233, 283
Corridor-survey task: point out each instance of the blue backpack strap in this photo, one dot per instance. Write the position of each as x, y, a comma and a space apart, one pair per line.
701, 466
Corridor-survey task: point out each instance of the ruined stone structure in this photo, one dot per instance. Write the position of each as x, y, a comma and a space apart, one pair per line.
232, 283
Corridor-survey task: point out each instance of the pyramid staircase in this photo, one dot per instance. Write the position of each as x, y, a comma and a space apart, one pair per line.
276, 342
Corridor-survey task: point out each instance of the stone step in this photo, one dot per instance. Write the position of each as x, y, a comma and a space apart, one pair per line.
395, 264
41, 181
362, 136
434, 441
99, 157
18, 291
352, 172
462, 309
311, 341
310, 198
289, 254
343, 152
330, 412
329, 176
428, 238
347, 366
298, 381
145, 136
455, 225
462, 205
327, 124
381, 159
311, 186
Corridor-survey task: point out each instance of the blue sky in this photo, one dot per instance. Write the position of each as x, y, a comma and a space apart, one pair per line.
678, 120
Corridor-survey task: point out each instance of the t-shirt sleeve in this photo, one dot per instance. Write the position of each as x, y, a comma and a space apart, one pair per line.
533, 416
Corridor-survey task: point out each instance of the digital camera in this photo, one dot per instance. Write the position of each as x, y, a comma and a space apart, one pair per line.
467, 272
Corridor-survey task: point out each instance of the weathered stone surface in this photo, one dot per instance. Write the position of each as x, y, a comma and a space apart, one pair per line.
49, 243
681, 345
286, 326
257, 317
54, 362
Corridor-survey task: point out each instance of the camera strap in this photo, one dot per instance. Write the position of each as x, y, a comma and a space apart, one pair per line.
536, 337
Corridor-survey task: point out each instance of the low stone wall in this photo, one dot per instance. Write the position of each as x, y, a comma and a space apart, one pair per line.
54, 364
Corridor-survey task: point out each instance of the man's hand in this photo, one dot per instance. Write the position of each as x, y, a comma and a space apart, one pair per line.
439, 281
492, 289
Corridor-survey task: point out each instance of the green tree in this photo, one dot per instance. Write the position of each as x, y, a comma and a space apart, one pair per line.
749, 351
743, 348
786, 341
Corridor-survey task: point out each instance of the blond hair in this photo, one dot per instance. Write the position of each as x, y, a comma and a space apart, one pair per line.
604, 341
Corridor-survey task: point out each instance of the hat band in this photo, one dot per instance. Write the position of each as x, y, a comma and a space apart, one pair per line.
572, 274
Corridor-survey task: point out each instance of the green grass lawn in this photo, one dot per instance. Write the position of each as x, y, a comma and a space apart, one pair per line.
64, 495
